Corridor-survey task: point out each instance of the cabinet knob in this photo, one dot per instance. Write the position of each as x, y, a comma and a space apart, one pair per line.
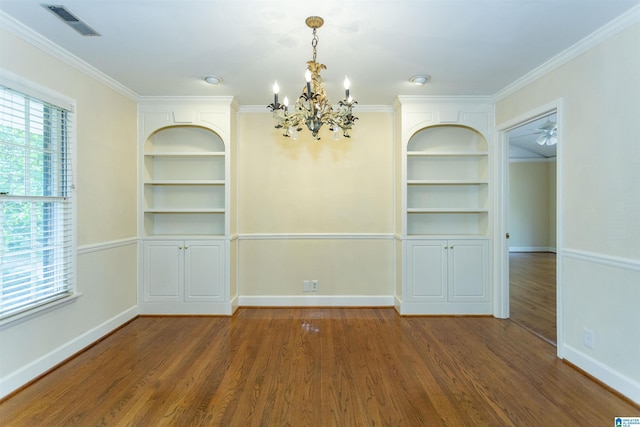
186, 247
450, 247
180, 247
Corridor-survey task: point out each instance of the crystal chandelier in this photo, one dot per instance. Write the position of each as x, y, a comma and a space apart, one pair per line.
312, 107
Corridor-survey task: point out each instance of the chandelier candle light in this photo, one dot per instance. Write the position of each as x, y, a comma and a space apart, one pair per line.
312, 107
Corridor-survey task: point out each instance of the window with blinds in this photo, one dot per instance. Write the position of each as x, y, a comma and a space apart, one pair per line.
36, 212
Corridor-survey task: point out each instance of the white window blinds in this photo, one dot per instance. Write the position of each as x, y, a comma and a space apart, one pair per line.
36, 212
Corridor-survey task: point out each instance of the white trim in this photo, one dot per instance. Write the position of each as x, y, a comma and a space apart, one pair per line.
85, 249
234, 303
610, 261
317, 236
614, 379
605, 32
397, 303
372, 109
254, 109
356, 109
421, 100
28, 35
447, 237
189, 100
190, 308
531, 115
316, 301
501, 207
445, 309
531, 249
532, 160
29, 372
38, 310
20, 84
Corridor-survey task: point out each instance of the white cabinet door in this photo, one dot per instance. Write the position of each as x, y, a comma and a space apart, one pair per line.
163, 270
467, 270
184, 271
447, 271
204, 271
426, 270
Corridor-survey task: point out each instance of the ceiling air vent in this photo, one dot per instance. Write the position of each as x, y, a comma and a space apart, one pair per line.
71, 20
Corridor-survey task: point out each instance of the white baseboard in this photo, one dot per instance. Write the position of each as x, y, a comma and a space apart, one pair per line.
194, 308
397, 303
532, 249
234, 303
469, 308
316, 301
33, 370
614, 379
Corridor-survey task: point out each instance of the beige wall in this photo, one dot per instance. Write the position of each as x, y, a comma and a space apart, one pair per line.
532, 206
600, 134
599, 177
306, 186
315, 209
106, 178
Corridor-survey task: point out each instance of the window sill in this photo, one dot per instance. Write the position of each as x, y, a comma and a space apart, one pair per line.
31, 313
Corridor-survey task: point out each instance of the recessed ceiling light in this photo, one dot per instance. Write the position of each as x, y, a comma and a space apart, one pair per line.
212, 80
420, 79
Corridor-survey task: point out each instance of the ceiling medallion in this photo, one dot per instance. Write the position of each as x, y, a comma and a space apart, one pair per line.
312, 107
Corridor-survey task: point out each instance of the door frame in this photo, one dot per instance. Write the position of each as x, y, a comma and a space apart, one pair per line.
501, 221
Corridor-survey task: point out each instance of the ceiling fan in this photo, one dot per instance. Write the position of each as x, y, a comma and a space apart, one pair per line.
548, 133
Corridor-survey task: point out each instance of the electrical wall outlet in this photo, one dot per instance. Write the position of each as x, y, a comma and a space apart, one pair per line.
314, 286
306, 285
587, 338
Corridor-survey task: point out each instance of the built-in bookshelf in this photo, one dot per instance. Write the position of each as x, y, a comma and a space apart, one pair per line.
186, 215
184, 182
447, 182
445, 188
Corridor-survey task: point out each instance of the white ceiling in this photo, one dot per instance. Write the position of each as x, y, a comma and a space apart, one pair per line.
469, 47
522, 140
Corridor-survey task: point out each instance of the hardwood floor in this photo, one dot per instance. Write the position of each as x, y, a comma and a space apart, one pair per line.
316, 367
532, 292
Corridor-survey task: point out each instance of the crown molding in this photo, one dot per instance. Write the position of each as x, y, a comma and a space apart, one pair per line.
163, 99
420, 99
619, 24
25, 33
356, 109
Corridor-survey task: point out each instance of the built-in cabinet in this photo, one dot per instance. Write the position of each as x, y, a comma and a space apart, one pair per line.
447, 270
444, 205
187, 219
184, 270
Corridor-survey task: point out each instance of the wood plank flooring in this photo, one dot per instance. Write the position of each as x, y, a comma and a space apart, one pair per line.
532, 292
316, 367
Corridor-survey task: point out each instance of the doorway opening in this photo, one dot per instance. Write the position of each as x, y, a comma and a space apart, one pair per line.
531, 206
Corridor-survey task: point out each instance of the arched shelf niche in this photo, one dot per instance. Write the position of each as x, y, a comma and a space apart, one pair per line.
184, 181
447, 182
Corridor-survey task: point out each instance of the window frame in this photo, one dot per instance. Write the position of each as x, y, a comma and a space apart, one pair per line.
46, 95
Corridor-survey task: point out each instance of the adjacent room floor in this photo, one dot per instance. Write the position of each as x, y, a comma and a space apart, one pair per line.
532, 292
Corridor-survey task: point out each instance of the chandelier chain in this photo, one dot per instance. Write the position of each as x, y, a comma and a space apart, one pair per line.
314, 44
